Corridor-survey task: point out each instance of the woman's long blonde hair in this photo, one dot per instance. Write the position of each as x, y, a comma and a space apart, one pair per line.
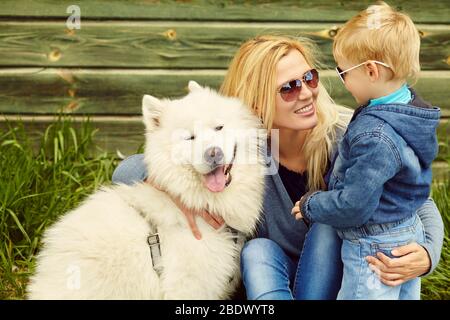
252, 76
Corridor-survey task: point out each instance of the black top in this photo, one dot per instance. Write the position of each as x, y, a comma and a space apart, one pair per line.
294, 182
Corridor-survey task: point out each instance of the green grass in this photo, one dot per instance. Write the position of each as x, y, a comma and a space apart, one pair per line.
39, 183
437, 285
38, 186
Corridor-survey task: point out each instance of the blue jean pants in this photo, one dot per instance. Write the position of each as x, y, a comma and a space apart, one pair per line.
269, 274
360, 282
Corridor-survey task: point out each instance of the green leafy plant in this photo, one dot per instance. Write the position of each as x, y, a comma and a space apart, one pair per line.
436, 285
37, 184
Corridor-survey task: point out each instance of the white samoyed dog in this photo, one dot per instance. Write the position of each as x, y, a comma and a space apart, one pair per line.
133, 242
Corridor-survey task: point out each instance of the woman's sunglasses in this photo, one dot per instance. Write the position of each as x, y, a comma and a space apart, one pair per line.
291, 90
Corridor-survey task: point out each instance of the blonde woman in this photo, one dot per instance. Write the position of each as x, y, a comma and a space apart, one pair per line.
277, 78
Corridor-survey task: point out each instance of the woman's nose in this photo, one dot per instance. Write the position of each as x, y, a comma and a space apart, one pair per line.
305, 93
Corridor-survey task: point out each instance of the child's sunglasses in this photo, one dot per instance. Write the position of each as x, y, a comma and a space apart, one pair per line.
341, 73
290, 91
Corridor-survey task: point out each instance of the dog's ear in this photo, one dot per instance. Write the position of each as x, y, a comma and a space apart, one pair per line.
194, 86
151, 111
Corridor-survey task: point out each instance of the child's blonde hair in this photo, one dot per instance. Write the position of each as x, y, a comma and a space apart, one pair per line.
251, 77
383, 34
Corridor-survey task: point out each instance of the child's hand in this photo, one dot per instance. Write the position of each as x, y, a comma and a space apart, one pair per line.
296, 211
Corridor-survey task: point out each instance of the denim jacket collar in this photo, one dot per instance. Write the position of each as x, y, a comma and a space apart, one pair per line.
416, 101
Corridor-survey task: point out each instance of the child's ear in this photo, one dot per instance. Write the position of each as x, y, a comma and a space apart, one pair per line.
372, 71
151, 111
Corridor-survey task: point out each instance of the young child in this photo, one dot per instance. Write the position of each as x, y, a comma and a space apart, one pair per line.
382, 172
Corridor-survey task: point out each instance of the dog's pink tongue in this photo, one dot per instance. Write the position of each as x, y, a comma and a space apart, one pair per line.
215, 181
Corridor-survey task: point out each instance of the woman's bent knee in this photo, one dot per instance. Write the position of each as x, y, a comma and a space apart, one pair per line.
265, 270
130, 170
259, 249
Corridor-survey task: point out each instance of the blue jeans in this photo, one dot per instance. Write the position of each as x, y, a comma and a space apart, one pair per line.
359, 282
269, 274
130, 170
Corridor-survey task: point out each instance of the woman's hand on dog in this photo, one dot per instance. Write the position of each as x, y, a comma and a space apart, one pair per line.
213, 220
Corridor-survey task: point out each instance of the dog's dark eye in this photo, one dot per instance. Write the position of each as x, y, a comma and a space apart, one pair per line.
191, 137
218, 128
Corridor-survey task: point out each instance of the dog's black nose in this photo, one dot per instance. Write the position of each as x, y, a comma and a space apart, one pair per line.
213, 155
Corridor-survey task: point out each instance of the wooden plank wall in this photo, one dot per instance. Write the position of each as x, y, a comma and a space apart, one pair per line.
127, 48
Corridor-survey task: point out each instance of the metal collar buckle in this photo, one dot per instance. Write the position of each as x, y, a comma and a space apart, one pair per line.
155, 252
153, 240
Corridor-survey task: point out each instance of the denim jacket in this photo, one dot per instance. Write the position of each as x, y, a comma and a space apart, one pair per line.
382, 171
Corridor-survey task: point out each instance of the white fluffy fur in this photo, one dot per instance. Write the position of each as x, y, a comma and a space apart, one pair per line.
99, 250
